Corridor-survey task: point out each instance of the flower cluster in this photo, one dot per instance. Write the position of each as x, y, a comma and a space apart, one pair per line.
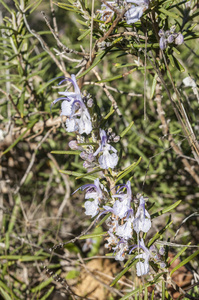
133, 14
169, 37
129, 217
126, 216
79, 121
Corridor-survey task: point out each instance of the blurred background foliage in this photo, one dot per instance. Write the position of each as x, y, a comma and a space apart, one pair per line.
37, 209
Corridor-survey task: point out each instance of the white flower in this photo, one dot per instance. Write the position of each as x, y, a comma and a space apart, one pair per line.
135, 12
84, 122
91, 208
143, 267
142, 221
121, 208
120, 249
93, 191
73, 107
188, 81
71, 124
106, 160
106, 12
112, 240
66, 108
125, 231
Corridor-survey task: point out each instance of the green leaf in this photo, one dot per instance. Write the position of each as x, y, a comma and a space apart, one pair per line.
110, 79
69, 7
37, 57
46, 85
82, 22
168, 13
21, 104
178, 64
110, 113
126, 129
153, 85
123, 272
103, 220
179, 253
128, 170
96, 62
83, 35
6, 6
171, 60
92, 172
165, 210
77, 152
4, 294
158, 234
35, 6
47, 294
139, 152
72, 274
7, 289
176, 50
92, 235
163, 290
20, 137
44, 283
127, 296
23, 257
76, 174
184, 262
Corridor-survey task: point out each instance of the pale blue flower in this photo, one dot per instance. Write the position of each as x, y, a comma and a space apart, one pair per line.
112, 240
120, 249
143, 267
125, 231
142, 221
135, 12
179, 39
93, 191
107, 159
123, 206
106, 12
92, 208
73, 107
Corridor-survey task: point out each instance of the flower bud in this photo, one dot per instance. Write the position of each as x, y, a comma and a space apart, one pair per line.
161, 250
163, 43
90, 102
161, 33
84, 155
170, 39
73, 145
180, 39
116, 139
